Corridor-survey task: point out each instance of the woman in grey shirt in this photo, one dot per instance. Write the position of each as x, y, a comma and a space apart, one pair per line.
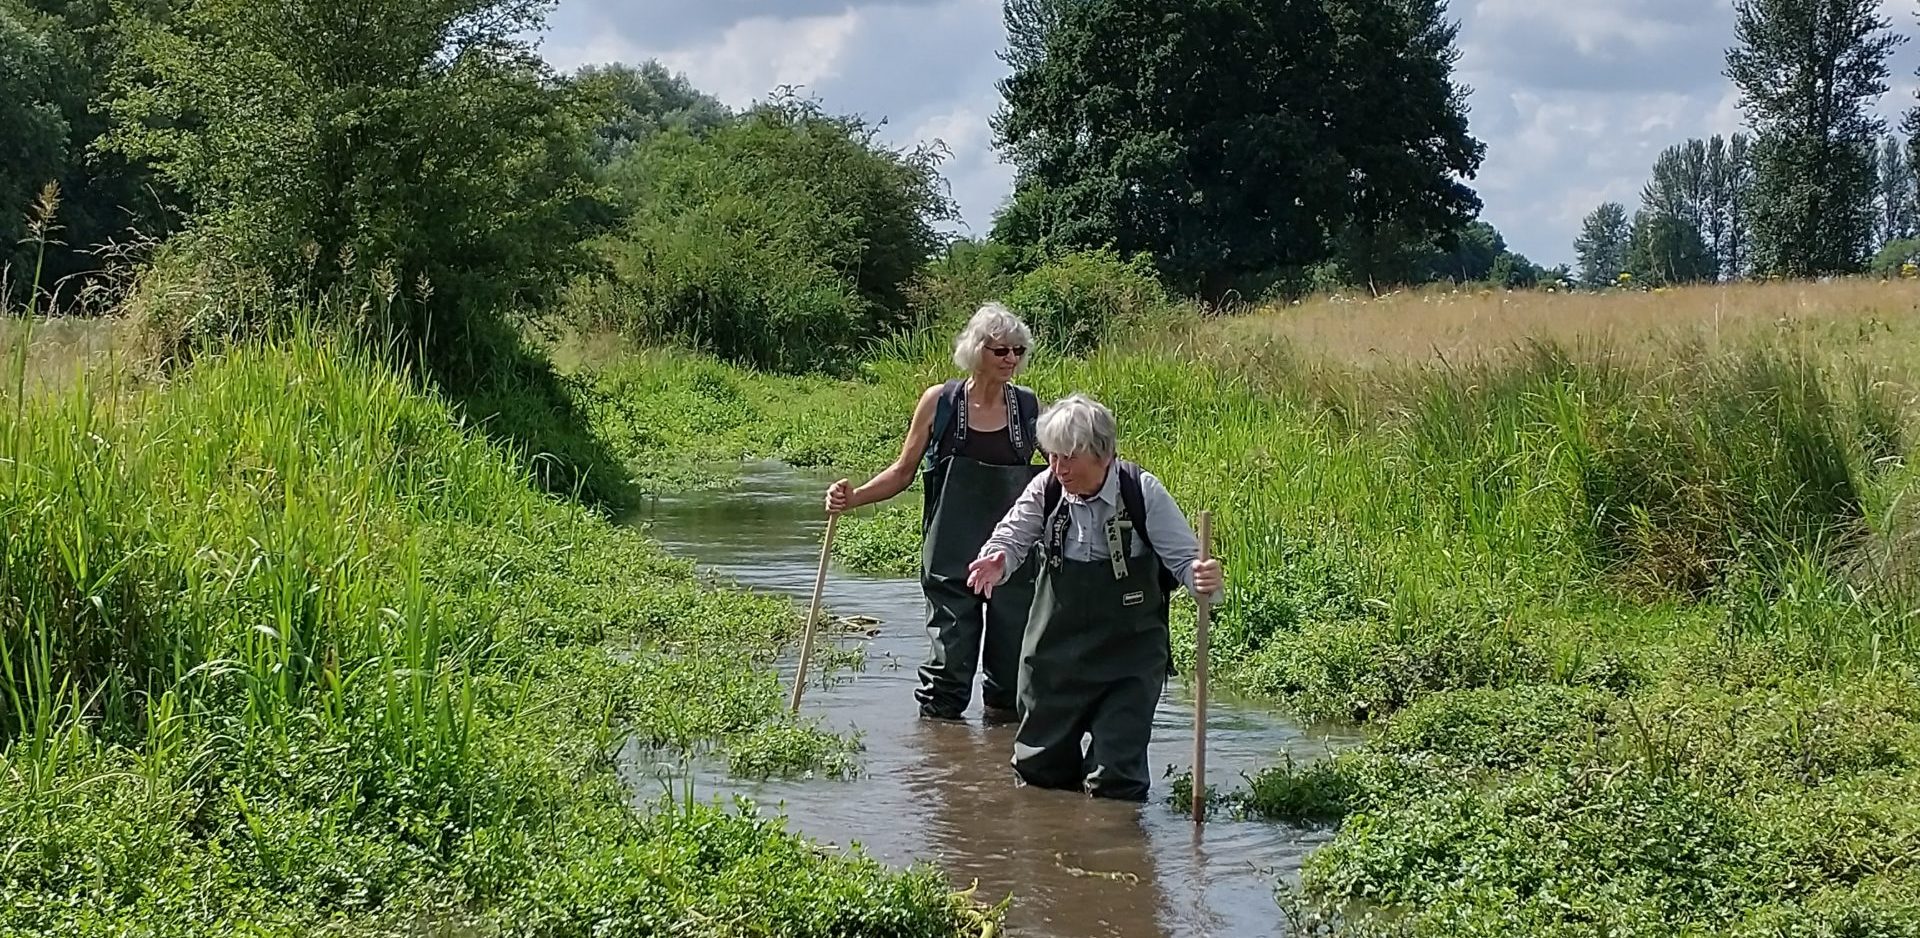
1113, 547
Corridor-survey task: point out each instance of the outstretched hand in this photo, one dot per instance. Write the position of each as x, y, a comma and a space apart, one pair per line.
984, 574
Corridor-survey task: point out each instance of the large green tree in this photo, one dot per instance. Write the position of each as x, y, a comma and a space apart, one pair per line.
1807, 71
412, 142
1231, 139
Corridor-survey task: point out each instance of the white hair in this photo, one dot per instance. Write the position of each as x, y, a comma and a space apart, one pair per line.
1078, 425
992, 322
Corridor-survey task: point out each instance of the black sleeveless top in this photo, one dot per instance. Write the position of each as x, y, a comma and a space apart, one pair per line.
992, 447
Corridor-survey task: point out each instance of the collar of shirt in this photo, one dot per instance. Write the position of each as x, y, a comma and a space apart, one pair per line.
1109, 490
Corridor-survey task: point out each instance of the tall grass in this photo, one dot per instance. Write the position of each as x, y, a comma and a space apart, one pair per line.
283, 641
1478, 497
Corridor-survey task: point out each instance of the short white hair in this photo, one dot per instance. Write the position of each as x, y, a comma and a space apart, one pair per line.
990, 322
1077, 425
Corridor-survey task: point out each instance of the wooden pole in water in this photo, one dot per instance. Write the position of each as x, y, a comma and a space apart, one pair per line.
813, 612
1203, 622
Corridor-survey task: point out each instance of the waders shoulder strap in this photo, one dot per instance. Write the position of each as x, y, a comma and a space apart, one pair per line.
1026, 437
1023, 416
1133, 500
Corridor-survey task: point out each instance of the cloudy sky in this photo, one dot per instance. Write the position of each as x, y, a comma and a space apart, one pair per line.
1574, 98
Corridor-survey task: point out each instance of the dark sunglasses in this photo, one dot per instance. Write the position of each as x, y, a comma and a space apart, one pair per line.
1002, 350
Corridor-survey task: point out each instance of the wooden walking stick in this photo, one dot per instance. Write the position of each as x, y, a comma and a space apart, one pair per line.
1203, 621
813, 612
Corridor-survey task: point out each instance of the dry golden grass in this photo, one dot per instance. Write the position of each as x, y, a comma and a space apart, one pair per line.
1437, 324
61, 349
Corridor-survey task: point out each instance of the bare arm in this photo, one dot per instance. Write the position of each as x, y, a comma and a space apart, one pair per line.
898, 477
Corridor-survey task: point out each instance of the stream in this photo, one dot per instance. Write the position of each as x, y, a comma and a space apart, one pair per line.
944, 793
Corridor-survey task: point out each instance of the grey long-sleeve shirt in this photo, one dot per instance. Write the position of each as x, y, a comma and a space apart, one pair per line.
1087, 519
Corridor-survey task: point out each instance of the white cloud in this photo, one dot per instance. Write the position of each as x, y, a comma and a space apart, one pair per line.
758, 55
745, 62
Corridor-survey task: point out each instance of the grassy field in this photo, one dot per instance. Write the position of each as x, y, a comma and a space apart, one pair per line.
1625, 583
286, 648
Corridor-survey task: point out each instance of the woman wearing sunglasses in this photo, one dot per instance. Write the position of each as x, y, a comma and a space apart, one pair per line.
972, 439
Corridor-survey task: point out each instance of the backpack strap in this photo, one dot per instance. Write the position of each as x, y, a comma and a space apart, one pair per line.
1050, 497
938, 445
1135, 501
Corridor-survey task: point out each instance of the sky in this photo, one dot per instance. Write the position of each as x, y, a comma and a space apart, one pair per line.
1573, 98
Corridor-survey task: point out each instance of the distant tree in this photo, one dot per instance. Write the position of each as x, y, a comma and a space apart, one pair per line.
781, 239
1605, 238
1729, 187
1894, 256
643, 100
1475, 250
1514, 271
1679, 187
1807, 71
1897, 199
1665, 249
1235, 139
1705, 185
1385, 255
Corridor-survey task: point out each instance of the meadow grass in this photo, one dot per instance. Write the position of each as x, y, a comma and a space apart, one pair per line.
1624, 583
286, 647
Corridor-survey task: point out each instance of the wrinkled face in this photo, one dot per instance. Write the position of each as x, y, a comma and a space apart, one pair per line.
1082, 474
1000, 358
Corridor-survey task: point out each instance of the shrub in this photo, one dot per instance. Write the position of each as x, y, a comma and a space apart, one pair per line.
1895, 256
777, 241
1076, 302
952, 286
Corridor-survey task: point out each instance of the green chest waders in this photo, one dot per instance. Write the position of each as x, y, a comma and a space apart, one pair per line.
966, 498
1094, 661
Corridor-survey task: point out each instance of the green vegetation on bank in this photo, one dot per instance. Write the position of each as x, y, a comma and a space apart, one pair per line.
283, 646
1633, 616
298, 636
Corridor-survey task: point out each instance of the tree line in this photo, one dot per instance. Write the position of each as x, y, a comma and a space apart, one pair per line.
260, 156
1818, 187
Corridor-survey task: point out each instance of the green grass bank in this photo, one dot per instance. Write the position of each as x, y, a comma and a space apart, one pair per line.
1630, 611
288, 647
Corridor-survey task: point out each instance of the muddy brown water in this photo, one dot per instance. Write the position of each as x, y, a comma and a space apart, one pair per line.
944, 794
